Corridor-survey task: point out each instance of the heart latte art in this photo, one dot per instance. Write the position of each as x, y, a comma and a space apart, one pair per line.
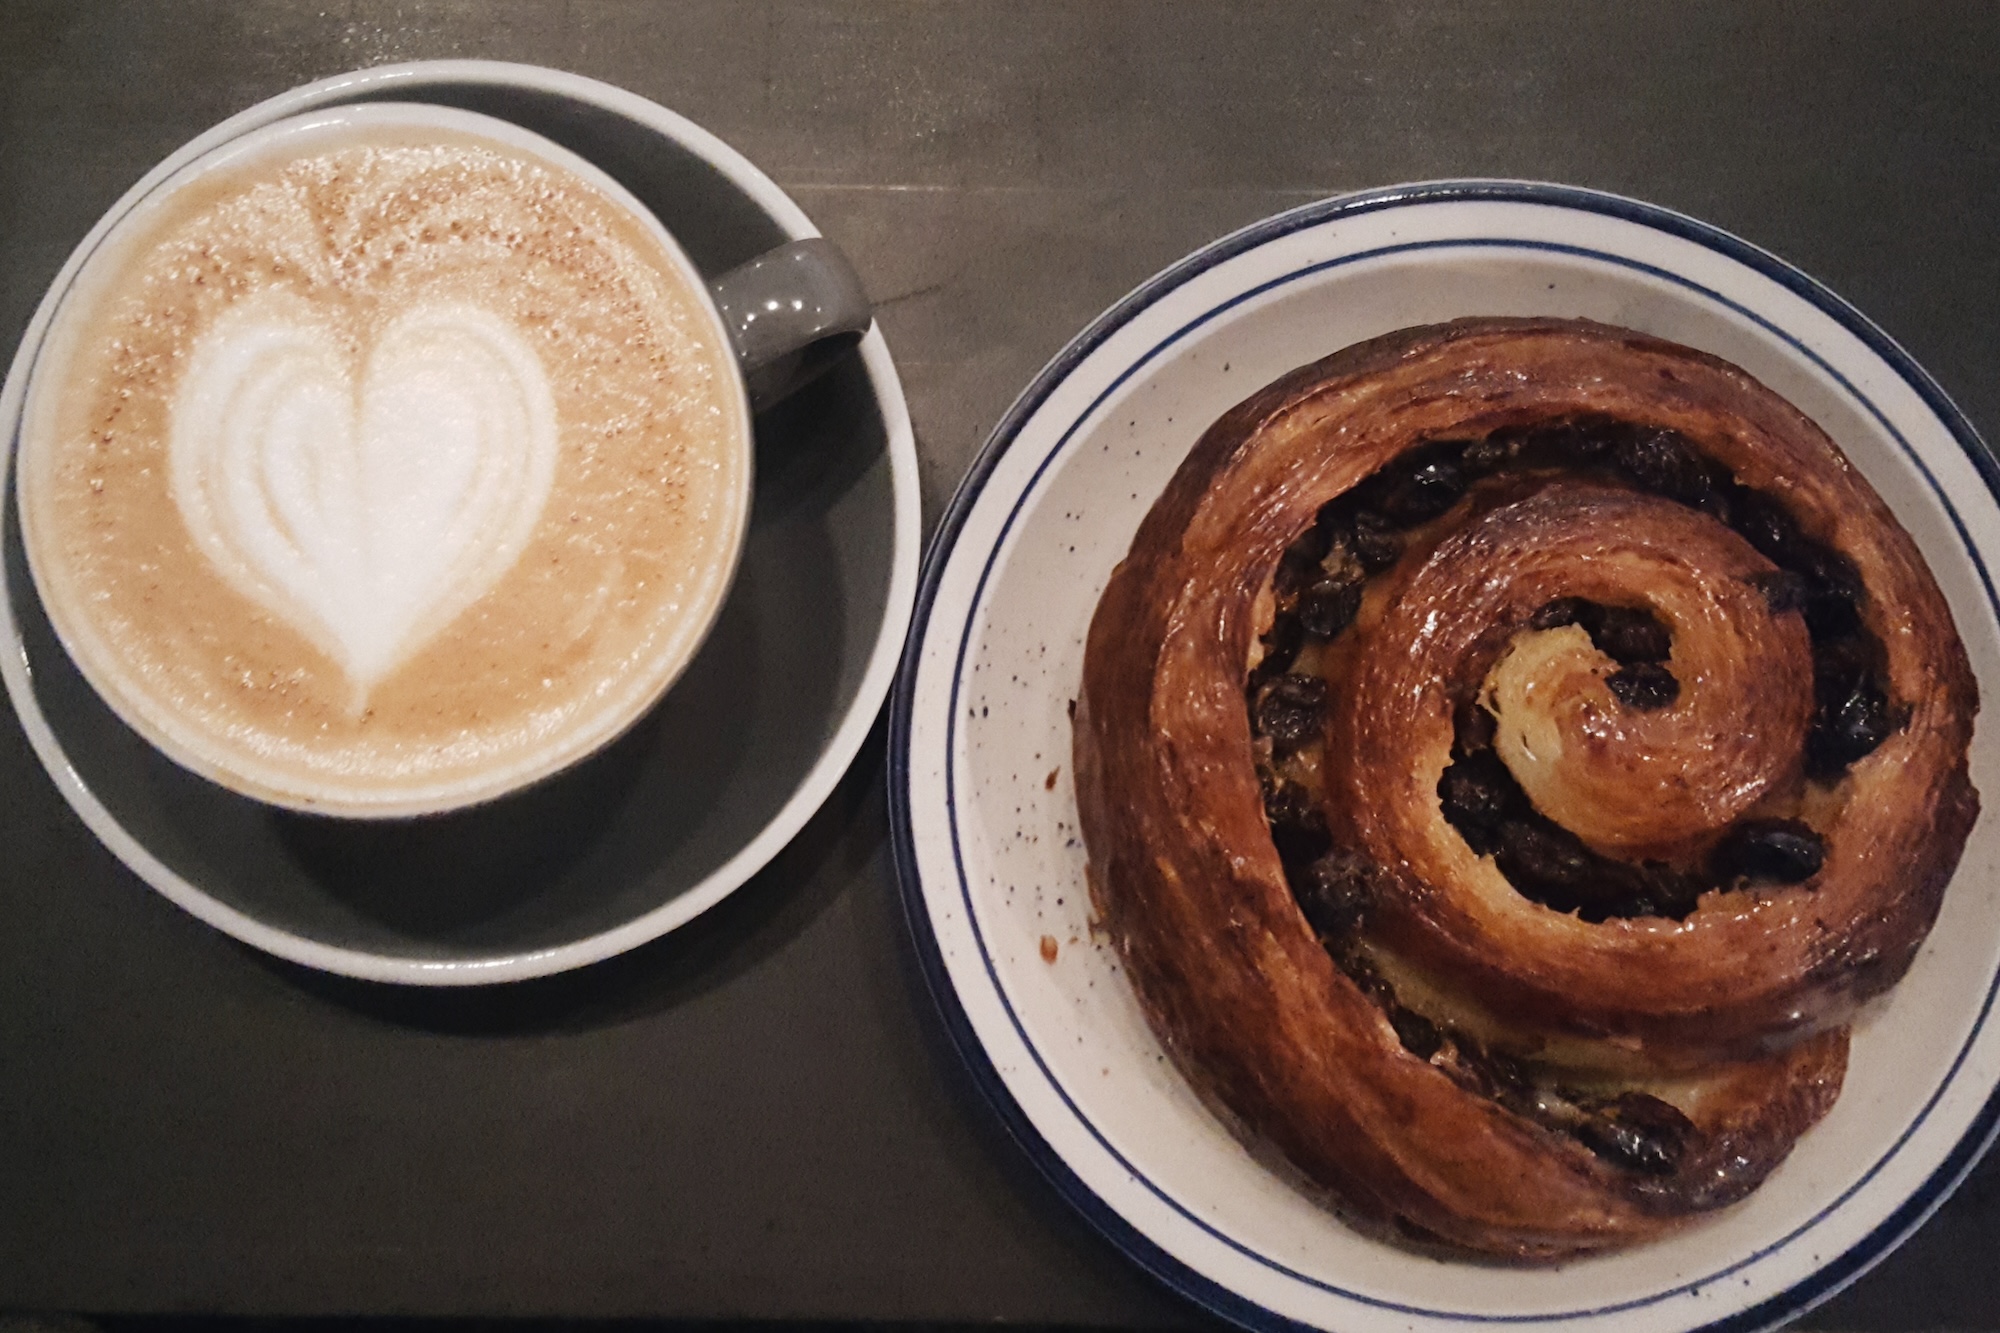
383, 470
366, 504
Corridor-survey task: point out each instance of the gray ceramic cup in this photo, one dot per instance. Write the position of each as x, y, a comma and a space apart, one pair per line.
786, 315
791, 312
699, 794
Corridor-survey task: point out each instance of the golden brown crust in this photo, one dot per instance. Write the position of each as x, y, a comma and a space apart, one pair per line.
1185, 876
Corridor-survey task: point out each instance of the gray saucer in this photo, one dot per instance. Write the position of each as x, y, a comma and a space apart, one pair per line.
665, 822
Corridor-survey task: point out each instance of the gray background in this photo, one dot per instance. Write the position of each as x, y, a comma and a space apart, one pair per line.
758, 1116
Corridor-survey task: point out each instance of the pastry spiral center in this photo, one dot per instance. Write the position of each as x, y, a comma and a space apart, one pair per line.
1656, 684
1626, 687
1648, 759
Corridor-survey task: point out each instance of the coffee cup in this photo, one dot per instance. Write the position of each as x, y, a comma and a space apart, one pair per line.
389, 458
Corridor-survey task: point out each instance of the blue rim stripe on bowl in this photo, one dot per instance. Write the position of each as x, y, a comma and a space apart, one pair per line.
1830, 1276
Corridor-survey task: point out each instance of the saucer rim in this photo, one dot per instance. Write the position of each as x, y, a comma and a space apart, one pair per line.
836, 755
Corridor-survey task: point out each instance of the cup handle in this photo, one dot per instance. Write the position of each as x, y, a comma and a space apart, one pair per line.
791, 312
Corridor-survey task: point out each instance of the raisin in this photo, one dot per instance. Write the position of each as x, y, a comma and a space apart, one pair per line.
1420, 1036
1361, 971
1652, 888
1782, 589
1281, 646
1785, 850
1831, 609
1476, 795
1833, 590
1670, 892
1644, 686
1562, 611
1335, 892
1298, 846
1664, 462
1622, 633
1488, 455
1639, 1132
1375, 543
1550, 861
1550, 865
1862, 722
1850, 729
1768, 528
1328, 607
1497, 1075
1422, 492
1290, 709
1829, 568
1288, 805
1840, 666
1630, 634
1572, 442
1298, 828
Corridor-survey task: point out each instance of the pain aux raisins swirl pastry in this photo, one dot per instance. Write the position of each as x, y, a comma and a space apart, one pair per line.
1507, 757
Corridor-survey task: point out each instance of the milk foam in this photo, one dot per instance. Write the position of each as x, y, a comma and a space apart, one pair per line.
367, 505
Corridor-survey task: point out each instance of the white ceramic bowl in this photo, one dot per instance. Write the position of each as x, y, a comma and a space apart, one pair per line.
985, 814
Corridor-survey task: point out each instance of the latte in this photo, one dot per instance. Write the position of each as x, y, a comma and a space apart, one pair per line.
385, 467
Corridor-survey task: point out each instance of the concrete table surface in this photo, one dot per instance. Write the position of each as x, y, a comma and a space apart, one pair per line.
758, 1117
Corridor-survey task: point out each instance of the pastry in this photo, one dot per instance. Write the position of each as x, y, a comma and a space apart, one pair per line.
1508, 755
